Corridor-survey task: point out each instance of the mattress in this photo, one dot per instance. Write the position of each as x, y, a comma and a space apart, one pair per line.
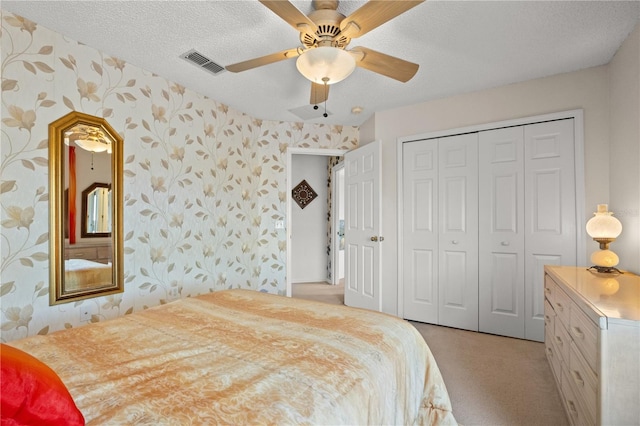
246, 357
80, 274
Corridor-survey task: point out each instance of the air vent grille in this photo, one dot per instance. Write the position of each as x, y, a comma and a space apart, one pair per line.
202, 61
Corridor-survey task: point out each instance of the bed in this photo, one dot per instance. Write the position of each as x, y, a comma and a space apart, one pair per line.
246, 357
81, 273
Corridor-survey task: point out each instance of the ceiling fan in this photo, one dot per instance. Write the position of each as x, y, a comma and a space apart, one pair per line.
325, 33
88, 138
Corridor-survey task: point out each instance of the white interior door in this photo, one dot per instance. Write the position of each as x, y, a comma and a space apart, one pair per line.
501, 232
458, 237
362, 227
420, 230
550, 211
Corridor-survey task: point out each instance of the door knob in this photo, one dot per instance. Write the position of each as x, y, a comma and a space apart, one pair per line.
374, 238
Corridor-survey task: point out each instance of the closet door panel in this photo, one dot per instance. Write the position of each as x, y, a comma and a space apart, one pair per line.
501, 232
454, 268
505, 299
420, 231
458, 236
550, 208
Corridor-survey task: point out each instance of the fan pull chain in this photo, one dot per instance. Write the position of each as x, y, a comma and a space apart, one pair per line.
325, 79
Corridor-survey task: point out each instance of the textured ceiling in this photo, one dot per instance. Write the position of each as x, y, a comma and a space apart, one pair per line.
461, 46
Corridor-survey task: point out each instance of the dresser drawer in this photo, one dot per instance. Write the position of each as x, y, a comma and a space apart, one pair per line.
584, 380
88, 253
549, 316
552, 356
562, 306
104, 254
562, 341
549, 289
584, 333
578, 415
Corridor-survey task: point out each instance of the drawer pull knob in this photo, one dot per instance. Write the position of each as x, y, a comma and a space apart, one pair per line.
550, 352
572, 408
547, 290
559, 340
577, 377
579, 334
560, 307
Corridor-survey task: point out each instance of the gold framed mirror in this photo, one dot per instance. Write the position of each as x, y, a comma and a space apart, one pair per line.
85, 169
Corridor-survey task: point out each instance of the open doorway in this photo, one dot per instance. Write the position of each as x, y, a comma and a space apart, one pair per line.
337, 215
300, 225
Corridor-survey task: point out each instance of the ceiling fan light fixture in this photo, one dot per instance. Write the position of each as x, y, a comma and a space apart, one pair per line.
92, 145
92, 140
326, 64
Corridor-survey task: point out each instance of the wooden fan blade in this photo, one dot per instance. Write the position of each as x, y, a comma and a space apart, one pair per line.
384, 64
373, 14
319, 93
263, 60
292, 15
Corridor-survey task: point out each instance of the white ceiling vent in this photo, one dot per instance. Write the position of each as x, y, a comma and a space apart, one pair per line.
202, 61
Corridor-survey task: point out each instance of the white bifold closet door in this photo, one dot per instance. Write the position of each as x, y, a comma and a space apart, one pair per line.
420, 230
458, 238
440, 236
482, 214
527, 220
501, 236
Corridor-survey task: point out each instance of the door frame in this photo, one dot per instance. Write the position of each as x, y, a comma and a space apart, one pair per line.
576, 114
291, 151
336, 192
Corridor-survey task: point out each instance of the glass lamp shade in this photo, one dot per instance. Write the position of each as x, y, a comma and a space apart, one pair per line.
605, 258
603, 225
326, 62
92, 145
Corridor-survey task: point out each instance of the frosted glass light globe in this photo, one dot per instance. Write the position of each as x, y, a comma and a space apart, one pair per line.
605, 258
603, 224
326, 64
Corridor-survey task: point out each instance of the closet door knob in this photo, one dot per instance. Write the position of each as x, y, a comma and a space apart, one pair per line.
374, 238
454, 242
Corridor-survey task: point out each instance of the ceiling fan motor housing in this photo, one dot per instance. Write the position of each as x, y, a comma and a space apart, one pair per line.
328, 34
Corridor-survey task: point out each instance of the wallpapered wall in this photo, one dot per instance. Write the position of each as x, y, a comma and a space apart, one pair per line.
203, 183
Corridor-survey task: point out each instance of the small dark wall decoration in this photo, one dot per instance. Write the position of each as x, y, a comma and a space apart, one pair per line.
303, 194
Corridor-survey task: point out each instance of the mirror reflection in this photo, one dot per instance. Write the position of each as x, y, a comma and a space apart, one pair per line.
96, 210
86, 172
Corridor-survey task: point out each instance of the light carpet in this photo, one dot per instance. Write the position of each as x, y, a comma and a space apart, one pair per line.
492, 380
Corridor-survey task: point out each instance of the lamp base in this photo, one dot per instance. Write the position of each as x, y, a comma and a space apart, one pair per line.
605, 269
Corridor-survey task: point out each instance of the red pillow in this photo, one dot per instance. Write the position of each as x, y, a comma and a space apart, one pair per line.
32, 393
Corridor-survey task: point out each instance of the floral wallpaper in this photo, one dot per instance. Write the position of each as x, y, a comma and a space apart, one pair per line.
203, 183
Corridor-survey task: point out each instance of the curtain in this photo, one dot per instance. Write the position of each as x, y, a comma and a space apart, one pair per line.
72, 195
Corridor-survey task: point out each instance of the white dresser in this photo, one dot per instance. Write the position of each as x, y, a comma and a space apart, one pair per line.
97, 252
592, 341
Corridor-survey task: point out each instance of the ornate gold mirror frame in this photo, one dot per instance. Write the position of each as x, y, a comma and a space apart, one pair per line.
81, 268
